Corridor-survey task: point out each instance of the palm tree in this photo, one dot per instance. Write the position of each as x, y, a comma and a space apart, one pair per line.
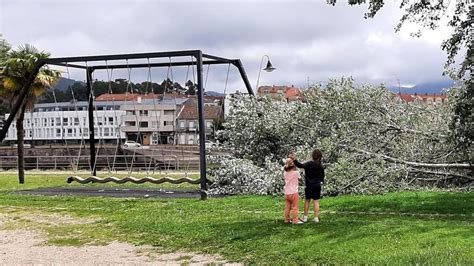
4, 49
14, 72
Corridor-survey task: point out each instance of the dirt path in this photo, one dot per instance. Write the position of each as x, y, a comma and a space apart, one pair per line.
20, 247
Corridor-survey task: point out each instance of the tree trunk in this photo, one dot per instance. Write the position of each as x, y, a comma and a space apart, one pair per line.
20, 133
459, 166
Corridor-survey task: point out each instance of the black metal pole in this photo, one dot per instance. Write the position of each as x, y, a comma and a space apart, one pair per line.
239, 66
202, 126
91, 121
19, 100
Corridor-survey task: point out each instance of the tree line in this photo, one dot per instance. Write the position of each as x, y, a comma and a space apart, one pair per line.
78, 90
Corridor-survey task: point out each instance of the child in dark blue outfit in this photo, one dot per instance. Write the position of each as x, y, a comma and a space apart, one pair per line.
314, 179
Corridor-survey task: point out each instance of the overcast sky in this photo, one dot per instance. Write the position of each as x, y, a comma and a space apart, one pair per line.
304, 39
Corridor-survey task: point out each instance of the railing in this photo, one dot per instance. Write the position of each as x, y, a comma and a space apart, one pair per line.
121, 162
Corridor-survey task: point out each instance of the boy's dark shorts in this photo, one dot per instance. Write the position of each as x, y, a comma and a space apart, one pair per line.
312, 193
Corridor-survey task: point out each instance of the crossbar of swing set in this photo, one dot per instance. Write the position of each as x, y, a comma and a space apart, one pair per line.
65, 61
140, 65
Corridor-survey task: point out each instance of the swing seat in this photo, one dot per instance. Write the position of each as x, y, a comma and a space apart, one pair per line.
131, 179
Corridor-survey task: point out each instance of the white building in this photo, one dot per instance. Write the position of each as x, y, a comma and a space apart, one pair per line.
68, 121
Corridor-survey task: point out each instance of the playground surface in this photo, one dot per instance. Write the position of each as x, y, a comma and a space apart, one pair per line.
112, 192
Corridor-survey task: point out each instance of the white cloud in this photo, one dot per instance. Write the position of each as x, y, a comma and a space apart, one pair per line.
303, 38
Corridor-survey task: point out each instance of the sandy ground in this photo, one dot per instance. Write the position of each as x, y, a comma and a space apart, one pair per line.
20, 247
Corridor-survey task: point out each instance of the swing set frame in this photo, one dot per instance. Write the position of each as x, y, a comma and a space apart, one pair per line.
199, 60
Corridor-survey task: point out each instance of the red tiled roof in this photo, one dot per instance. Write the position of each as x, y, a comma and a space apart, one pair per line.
422, 97
289, 91
210, 112
134, 96
117, 97
292, 92
270, 89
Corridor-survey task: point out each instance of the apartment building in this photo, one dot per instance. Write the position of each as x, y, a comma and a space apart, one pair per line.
69, 121
188, 124
151, 121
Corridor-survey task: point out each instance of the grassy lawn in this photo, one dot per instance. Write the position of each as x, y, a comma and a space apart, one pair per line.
250, 228
40, 179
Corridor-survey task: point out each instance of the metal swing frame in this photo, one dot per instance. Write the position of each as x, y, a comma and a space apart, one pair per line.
200, 60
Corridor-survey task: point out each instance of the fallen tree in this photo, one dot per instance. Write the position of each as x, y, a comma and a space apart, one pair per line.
372, 141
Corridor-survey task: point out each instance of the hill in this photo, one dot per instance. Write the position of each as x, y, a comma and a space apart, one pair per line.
433, 87
64, 83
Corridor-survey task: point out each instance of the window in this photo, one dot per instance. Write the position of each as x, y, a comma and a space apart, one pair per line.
58, 132
58, 121
130, 112
208, 124
181, 124
143, 112
111, 120
143, 124
130, 123
191, 124
65, 121
106, 132
76, 121
168, 123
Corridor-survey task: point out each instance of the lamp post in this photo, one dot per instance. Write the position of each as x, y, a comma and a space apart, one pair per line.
268, 68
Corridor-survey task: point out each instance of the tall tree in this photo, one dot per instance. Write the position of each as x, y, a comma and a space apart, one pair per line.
15, 70
428, 14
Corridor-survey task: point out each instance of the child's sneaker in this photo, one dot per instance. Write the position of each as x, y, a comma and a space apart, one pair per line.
299, 222
316, 220
305, 219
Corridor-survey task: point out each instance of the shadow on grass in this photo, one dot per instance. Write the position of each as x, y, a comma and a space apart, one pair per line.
406, 202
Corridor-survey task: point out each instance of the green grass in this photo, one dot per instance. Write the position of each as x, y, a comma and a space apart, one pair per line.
39, 179
250, 228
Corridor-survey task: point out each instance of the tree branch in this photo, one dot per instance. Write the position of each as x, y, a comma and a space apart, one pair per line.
387, 158
447, 176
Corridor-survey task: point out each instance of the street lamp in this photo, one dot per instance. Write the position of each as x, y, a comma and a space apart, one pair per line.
268, 68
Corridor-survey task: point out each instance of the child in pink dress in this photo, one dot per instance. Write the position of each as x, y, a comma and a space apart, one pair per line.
292, 177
